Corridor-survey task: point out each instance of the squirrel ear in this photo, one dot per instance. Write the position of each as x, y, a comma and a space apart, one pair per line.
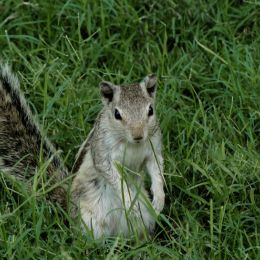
107, 90
150, 84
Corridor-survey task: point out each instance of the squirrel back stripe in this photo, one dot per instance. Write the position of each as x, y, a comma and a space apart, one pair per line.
21, 141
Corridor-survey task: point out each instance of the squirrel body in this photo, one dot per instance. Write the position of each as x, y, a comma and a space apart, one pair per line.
22, 143
126, 135
108, 190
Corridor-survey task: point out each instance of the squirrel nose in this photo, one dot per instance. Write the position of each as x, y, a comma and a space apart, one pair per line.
138, 138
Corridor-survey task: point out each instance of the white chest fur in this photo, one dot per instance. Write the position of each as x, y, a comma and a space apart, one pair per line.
131, 156
102, 208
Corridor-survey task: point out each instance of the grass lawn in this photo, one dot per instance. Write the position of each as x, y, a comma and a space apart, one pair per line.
206, 55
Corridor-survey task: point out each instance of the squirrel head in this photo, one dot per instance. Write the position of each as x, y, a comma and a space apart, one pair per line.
130, 109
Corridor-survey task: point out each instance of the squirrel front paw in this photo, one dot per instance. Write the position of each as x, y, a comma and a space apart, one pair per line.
158, 201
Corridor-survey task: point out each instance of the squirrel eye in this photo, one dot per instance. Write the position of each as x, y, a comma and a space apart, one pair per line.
117, 115
150, 111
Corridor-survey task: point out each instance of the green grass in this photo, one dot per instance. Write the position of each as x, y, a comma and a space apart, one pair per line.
206, 55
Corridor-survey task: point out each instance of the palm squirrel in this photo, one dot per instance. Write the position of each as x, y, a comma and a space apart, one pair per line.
108, 189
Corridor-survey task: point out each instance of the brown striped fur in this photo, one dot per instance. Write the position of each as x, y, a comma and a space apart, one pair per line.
21, 140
